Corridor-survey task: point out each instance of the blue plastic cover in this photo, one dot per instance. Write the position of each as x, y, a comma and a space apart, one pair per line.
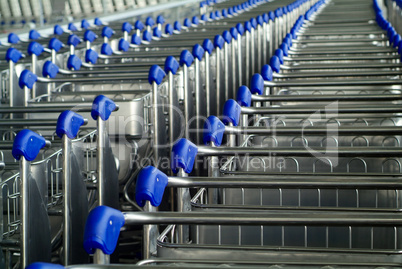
177, 26
13, 38
150, 186
227, 36
107, 32
102, 107
98, 22
160, 19
187, 22
275, 64
186, 58
27, 79
265, 17
149, 21
240, 28
271, 15
156, 74
157, 33
257, 84
247, 26
277, 13
73, 40
69, 124
126, 27
84, 24
55, 44
50, 69
195, 20
44, 265
138, 25
234, 33
168, 29
89, 36
284, 48
284, 10
123, 45
74, 62
72, 27
266, 72
35, 48
219, 41
224, 13
213, 131
27, 144
208, 46
198, 51
102, 229
106, 49
212, 15
279, 54
230, 11
204, 17
136, 39
171, 65
91, 56
33, 34
260, 20
183, 156
57, 30
147, 36
244, 96
231, 112
253, 22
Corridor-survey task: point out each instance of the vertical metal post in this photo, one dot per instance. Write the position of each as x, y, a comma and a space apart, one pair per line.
247, 53
186, 104
259, 48
34, 63
252, 50
239, 61
100, 257
271, 39
226, 71
149, 236
213, 171
25, 168
264, 44
197, 92
171, 109
156, 124
218, 79
233, 68
207, 84
100, 160
183, 205
67, 195
11, 84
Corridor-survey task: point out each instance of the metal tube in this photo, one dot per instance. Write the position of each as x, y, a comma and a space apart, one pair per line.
226, 70
155, 123
25, 168
218, 80
101, 129
34, 71
67, 195
197, 94
171, 109
100, 257
207, 84
150, 233
183, 205
186, 104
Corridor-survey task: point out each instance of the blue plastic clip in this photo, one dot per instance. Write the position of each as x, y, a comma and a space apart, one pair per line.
84, 24
183, 156
50, 69
257, 84
265, 17
195, 20
74, 62
224, 13
123, 45
284, 48
106, 49
13, 38
149, 21
177, 26
73, 40
69, 124
168, 29
151, 184
266, 72
213, 131
187, 22
227, 36
138, 25
35, 48
27, 79
91, 56
102, 229
57, 30
33, 34
207, 45
186, 58
253, 22
212, 15
219, 41
157, 33
204, 18
260, 20
98, 22
107, 32
244, 96
160, 19
198, 51
240, 28
55, 44
231, 112
234, 33
279, 54
147, 36
126, 27
44, 265
102, 107
136, 39
247, 26
90, 36
275, 64
156, 74
72, 27
171, 65
27, 144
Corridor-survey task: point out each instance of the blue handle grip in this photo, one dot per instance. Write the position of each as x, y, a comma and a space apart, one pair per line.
58, 30
13, 55
107, 32
74, 62
275, 64
35, 48
13, 38
171, 65
186, 58
102, 229
149, 21
44, 265
219, 41
69, 124
208, 46
231, 112
124, 45
55, 44
244, 96
91, 56
183, 156
126, 27
33, 34
106, 49
84, 24
102, 107
73, 40
138, 25
27, 144
160, 19
50, 69
213, 131
98, 22
156, 74
27, 79
151, 184
198, 51
257, 84
168, 29
90, 36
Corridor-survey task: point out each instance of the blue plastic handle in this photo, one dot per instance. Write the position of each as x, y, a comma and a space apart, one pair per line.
234, 33
247, 26
138, 25
240, 28
57, 30
168, 29
257, 84
72, 27
98, 22
183, 156
156, 75
35, 48
106, 49
149, 21
91, 56
102, 107
13, 38
213, 131
177, 26
147, 36
284, 48
55, 44
27, 79
69, 124
102, 229
27, 144
160, 19
227, 36
198, 51
126, 27
136, 39
33, 34
267, 73
275, 64
84, 24
224, 13
195, 20
156, 32
244, 96
204, 17
44, 265
13, 55
73, 40
187, 22
123, 45
279, 54
219, 41
186, 58
90, 36
74, 62
231, 112
50, 69
107, 32
150, 186
171, 65
208, 46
